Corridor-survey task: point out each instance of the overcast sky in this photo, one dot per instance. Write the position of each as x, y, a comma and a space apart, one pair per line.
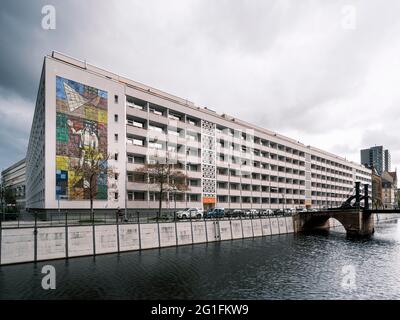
326, 73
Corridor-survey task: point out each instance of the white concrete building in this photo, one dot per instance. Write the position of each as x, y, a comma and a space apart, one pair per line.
229, 162
13, 178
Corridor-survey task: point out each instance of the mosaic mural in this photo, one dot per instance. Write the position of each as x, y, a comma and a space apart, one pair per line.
81, 123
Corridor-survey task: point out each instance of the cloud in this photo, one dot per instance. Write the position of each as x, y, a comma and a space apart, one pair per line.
15, 121
289, 66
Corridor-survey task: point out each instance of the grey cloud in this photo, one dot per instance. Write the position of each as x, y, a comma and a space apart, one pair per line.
280, 64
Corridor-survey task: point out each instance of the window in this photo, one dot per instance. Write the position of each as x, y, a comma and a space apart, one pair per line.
174, 117
116, 98
116, 157
138, 142
137, 124
116, 137
130, 177
116, 176
155, 128
130, 159
116, 195
155, 145
155, 111
115, 118
130, 195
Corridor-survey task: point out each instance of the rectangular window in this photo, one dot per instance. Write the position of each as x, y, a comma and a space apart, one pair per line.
116, 157
155, 128
130, 177
174, 117
116, 176
157, 112
116, 196
130, 195
116, 98
137, 124
138, 142
115, 118
116, 137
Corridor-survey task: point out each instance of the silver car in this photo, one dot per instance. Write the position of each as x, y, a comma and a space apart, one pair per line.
190, 213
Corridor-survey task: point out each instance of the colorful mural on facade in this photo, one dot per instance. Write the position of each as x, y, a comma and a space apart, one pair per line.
81, 123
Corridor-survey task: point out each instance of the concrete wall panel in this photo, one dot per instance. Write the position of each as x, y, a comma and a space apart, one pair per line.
289, 224
199, 231
106, 239
17, 245
266, 226
184, 233
128, 237
225, 229
282, 225
236, 229
212, 228
51, 243
257, 227
149, 235
274, 226
80, 241
247, 228
167, 234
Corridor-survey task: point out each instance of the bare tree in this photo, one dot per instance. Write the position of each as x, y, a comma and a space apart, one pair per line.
91, 166
165, 177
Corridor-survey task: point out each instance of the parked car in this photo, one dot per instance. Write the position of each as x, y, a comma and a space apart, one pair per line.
252, 212
290, 210
190, 213
267, 212
215, 213
235, 213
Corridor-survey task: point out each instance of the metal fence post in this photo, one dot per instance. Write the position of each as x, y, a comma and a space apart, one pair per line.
118, 246
66, 234
241, 223
230, 224
140, 238
205, 226
191, 226
1, 234
94, 235
251, 222
176, 228
35, 232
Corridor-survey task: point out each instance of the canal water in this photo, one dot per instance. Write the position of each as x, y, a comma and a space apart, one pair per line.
315, 266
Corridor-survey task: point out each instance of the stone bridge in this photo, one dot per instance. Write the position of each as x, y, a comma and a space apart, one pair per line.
357, 222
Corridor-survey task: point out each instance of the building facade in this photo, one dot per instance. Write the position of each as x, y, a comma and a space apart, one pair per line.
228, 162
389, 190
13, 179
376, 157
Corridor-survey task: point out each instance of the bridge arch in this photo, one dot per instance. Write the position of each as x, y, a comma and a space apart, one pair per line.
355, 222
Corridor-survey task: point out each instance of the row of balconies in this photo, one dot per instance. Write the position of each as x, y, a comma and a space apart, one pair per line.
219, 134
181, 157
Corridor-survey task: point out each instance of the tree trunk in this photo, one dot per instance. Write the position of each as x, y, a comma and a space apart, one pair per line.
91, 209
160, 205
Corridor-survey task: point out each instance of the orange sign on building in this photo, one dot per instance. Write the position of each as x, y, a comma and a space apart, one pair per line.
209, 200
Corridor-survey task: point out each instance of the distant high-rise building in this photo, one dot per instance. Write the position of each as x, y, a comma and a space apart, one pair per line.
387, 161
376, 157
